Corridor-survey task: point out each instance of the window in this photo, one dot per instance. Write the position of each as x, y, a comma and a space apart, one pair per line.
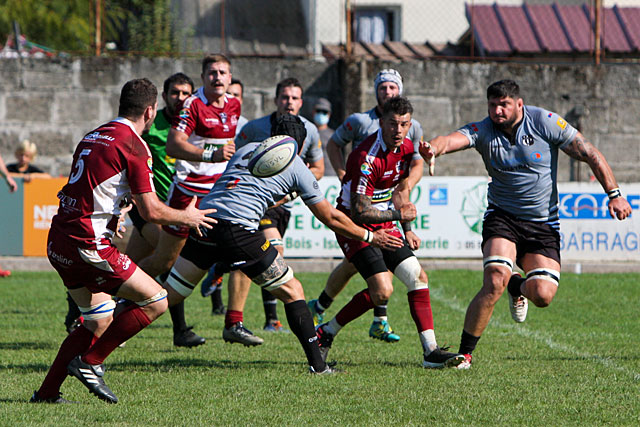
376, 25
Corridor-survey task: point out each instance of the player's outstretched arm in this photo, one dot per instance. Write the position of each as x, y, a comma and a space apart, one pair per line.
363, 212
440, 145
584, 151
342, 224
153, 210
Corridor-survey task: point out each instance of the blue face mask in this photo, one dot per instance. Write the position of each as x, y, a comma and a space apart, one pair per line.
321, 118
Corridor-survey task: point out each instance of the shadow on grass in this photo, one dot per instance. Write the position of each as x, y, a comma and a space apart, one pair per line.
27, 346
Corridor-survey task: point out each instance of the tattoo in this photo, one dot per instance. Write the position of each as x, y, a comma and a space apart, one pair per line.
584, 151
276, 270
363, 213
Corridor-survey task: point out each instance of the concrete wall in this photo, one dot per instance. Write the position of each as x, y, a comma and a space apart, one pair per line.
54, 102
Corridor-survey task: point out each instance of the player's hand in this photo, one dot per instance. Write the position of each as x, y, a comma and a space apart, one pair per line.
412, 240
224, 153
619, 208
429, 156
384, 239
120, 228
408, 212
196, 218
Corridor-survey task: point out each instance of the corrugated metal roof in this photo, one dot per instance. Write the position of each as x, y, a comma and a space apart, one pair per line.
509, 30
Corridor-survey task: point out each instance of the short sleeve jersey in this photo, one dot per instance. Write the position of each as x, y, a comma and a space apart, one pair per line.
358, 126
163, 165
372, 170
206, 125
109, 164
242, 198
523, 169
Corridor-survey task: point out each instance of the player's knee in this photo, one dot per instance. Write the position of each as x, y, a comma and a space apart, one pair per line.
411, 274
275, 276
98, 317
155, 305
381, 293
542, 285
179, 284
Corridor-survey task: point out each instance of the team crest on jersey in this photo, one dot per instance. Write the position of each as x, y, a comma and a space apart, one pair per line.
184, 113
474, 127
561, 123
527, 140
365, 169
223, 118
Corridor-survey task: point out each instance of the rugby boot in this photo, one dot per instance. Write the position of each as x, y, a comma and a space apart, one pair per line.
382, 331
325, 339
317, 316
91, 377
441, 358
57, 399
187, 338
238, 333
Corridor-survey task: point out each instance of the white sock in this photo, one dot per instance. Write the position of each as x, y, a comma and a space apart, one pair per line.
428, 340
379, 318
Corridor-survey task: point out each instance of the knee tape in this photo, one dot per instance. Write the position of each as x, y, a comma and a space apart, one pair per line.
276, 242
276, 283
179, 283
545, 274
98, 311
157, 297
496, 260
408, 271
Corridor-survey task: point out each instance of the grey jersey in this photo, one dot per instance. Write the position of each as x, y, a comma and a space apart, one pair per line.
260, 129
242, 198
524, 170
359, 126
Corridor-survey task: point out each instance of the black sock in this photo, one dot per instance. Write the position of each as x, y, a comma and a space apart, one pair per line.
380, 310
325, 301
270, 305
301, 324
177, 317
514, 285
216, 298
467, 343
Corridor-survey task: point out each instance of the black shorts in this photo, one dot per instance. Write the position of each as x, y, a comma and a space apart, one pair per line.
136, 219
369, 260
277, 218
233, 245
530, 237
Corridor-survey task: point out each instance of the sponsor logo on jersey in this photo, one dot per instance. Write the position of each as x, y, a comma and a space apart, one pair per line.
536, 156
93, 136
388, 173
265, 245
561, 123
349, 126
150, 163
184, 113
365, 169
57, 257
213, 120
232, 184
474, 127
527, 140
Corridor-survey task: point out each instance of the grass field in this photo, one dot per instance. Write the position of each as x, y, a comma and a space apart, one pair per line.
575, 362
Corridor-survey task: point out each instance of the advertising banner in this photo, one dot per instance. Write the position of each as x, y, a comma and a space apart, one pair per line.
40, 205
449, 221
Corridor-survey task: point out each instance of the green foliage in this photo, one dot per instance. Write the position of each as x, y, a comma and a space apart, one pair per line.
573, 363
69, 25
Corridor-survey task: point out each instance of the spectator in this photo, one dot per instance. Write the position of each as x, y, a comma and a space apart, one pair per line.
25, 153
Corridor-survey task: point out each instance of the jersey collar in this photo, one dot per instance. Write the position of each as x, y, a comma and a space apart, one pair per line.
200, 94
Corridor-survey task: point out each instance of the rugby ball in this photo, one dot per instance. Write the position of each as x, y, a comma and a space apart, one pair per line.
272, 156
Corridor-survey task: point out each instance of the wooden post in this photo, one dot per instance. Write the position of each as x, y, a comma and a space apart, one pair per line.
98, 27
598, 30
347, 10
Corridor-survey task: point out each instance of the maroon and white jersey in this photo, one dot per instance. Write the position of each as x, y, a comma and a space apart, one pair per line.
206, 125
372, 170
109, 164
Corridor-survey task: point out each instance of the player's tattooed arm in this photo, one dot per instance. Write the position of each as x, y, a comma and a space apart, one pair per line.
362, 212
584, 151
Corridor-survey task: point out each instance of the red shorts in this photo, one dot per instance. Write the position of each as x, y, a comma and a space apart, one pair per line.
177, 199
97, 270
350, 246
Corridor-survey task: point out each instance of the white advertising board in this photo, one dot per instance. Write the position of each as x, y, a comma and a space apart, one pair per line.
449, 222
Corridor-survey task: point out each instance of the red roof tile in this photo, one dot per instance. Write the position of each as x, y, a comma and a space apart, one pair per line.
613, 38
547, 28
629, 18
489, 33
577, 26
517, 28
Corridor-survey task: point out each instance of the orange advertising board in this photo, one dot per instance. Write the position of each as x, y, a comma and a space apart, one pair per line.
40, 205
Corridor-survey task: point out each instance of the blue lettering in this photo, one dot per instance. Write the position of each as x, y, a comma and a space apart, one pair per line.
587, 239
573, 241
631, 242
617, 241
602, 239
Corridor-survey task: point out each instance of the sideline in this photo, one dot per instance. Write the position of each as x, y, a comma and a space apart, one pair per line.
326, 265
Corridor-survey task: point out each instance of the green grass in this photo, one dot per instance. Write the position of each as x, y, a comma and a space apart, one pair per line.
575, 362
